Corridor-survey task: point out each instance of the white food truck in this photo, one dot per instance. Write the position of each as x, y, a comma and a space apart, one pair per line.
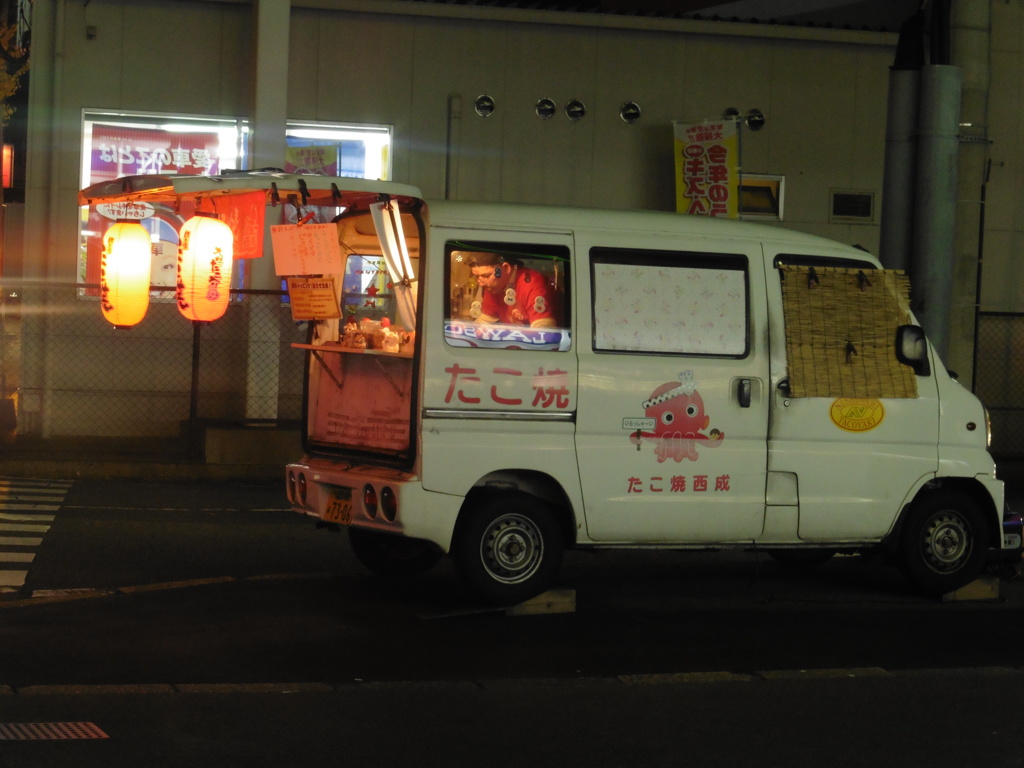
499, 383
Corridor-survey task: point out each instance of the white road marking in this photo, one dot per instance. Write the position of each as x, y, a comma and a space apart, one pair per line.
20, 541
12, 578
17, 557
26, 507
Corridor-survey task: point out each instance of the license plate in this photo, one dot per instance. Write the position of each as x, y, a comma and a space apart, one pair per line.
338, 510
1011, 541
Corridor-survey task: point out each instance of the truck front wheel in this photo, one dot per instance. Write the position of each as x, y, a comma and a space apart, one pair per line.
509, 549
944, 542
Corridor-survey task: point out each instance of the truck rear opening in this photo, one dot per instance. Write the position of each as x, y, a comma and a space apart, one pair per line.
361, 391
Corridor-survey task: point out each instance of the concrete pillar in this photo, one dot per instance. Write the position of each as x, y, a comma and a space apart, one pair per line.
271, 29
268, 146
44, 210
970, 34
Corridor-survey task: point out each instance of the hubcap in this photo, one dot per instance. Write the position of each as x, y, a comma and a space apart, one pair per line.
947, 542
512, 549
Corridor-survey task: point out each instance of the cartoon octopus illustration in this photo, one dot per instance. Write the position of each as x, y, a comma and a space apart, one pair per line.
679, 420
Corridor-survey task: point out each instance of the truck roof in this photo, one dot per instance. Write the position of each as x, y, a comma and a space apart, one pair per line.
552, 218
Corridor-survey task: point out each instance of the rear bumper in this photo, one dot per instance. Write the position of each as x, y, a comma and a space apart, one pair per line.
315, 487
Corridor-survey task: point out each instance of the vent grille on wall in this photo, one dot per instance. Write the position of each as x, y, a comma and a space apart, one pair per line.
851, 206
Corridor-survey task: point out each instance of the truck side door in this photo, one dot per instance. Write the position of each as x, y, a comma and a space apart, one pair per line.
672, 414
848, 463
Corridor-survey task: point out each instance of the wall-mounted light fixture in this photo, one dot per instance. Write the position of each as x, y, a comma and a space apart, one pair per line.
575, 110
630, 112
484, 105
545, 108
754, 119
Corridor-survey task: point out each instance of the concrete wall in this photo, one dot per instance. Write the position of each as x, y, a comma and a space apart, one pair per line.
1002, 289
823, 94
419, 67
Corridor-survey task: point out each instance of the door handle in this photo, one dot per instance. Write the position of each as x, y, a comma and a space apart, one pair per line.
743, 390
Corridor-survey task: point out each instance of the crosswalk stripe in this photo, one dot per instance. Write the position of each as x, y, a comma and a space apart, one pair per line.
35, 490
26, 517
12, 578
32, 490
21, 541
17, 557
23, 528
26, 507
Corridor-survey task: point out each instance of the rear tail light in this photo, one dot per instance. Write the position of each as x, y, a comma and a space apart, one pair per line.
290, 489
389, 504
370, 500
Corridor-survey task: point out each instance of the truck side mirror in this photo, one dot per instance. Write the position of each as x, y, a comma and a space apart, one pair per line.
912, 349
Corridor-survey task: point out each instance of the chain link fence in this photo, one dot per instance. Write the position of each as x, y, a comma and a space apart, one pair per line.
998, 375
74, 379
69, 378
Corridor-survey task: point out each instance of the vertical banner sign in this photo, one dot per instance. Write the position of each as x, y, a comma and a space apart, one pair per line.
244, 214
707, 158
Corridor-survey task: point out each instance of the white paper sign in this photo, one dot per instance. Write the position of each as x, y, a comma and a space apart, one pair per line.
309, 249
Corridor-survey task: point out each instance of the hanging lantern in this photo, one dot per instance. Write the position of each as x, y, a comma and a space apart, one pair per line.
204, 268
124, 273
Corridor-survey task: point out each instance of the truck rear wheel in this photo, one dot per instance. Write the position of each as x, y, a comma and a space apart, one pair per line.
389, 555
509, 549
944, 542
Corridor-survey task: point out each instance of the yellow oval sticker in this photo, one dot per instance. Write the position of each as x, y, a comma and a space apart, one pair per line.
856, 414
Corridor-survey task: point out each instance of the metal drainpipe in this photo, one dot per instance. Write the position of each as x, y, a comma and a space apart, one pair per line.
935, 201
451, 149
896, 230
900, 166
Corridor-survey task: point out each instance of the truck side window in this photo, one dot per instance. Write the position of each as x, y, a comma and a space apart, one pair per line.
507, 295
663, 302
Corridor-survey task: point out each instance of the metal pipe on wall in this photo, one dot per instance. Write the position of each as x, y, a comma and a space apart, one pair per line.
900, 166
935, 206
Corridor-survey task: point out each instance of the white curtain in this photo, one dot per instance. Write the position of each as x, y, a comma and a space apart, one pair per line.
388, 222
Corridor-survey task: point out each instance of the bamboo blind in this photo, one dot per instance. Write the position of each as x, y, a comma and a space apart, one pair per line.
841, 332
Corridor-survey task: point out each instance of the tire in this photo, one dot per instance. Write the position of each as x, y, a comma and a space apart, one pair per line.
944, 543
509, 548
394, 556
796, 559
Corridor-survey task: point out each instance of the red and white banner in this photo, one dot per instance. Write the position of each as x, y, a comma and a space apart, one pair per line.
707, 163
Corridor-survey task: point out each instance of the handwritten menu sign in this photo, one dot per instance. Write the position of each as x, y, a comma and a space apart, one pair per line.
313, 298
310, 249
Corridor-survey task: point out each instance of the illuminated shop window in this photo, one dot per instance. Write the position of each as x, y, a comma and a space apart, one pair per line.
118, 144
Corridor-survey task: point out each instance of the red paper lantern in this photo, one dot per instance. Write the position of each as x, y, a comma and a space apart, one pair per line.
204, 268
124, 273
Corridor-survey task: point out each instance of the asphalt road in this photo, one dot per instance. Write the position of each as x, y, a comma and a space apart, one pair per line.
205, 625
